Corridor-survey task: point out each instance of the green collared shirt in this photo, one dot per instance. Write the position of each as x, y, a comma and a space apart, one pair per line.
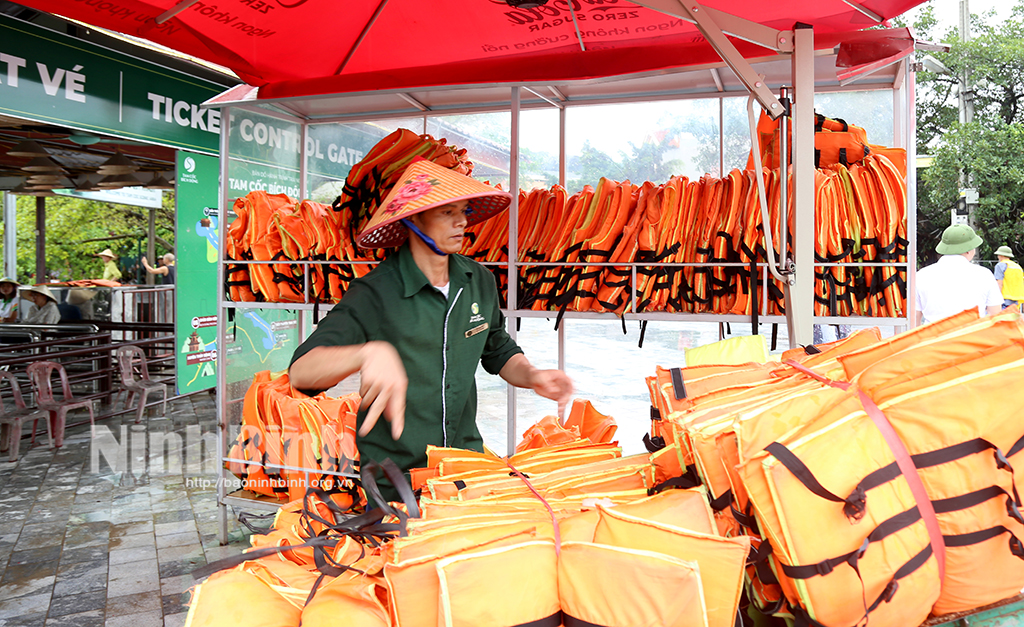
440, 341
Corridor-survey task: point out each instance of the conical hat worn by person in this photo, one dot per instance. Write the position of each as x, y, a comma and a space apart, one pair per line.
40, 289
426, 185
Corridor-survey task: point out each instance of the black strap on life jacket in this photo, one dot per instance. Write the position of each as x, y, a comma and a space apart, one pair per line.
655, 444
722, 502
802, 619
855, 504
883, 530
555, 620
682, 482
251, 522
678, 388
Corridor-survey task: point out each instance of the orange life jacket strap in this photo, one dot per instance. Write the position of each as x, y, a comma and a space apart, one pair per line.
551, 512
913, 479
842, 385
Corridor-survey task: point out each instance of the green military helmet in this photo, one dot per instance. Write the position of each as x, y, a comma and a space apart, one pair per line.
957, 240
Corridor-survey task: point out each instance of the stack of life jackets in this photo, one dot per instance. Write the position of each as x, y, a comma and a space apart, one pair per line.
274, 227
875, 478
860, 215
283, 427
555, 534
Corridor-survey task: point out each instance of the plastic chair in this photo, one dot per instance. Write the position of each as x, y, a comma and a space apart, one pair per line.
10, 420
132, 362
39, 373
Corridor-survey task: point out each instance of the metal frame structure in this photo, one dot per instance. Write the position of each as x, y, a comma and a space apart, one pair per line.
798, 45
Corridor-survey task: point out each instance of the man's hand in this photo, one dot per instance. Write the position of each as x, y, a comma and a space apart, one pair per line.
554, 385
383, 381
383, 384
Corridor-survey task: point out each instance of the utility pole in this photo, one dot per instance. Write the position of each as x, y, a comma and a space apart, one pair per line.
968, 194
966, 90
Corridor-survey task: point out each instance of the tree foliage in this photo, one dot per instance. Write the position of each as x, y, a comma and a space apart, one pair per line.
988, 153
77, 229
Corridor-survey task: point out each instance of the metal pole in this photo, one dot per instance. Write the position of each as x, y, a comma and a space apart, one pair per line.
800, 301
561, 181
221, 365
10, 235
303, 193
784, 260
910, 124
40, 239
513, 256
721, 137
151, 245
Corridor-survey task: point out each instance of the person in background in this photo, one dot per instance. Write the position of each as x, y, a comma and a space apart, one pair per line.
1009, 277
953, 284
417, 326
166, 270
9, 300
110, 270
44, 310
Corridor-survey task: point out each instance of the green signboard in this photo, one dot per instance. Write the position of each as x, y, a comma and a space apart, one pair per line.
49, 77
198, 241
265, 152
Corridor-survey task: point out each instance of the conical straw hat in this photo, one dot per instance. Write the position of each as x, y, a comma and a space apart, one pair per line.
425, 185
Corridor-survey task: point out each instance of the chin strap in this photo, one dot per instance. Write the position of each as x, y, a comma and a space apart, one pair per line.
423, 236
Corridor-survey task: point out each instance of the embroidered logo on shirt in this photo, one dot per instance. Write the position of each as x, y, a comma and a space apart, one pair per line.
476, 329
475, 308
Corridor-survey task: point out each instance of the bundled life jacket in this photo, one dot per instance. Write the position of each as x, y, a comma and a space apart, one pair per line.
226, 600
720, 561
889, 541
283, 427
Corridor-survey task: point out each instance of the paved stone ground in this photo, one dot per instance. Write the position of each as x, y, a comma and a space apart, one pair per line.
111, 543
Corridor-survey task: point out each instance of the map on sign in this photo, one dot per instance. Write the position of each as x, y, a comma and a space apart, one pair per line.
261, 339
269, 341
207, 229
200, 355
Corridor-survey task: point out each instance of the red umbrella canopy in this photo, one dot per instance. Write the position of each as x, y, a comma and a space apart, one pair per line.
305, 47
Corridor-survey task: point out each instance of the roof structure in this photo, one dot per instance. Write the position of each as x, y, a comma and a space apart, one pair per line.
291, 48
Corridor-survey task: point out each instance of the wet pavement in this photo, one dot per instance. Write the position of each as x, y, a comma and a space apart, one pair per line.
107, 534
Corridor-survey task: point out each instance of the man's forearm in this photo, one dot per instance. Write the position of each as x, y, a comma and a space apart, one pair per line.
325, 366
518, 371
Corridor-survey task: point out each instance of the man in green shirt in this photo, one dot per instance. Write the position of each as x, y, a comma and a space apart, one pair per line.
416, 327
